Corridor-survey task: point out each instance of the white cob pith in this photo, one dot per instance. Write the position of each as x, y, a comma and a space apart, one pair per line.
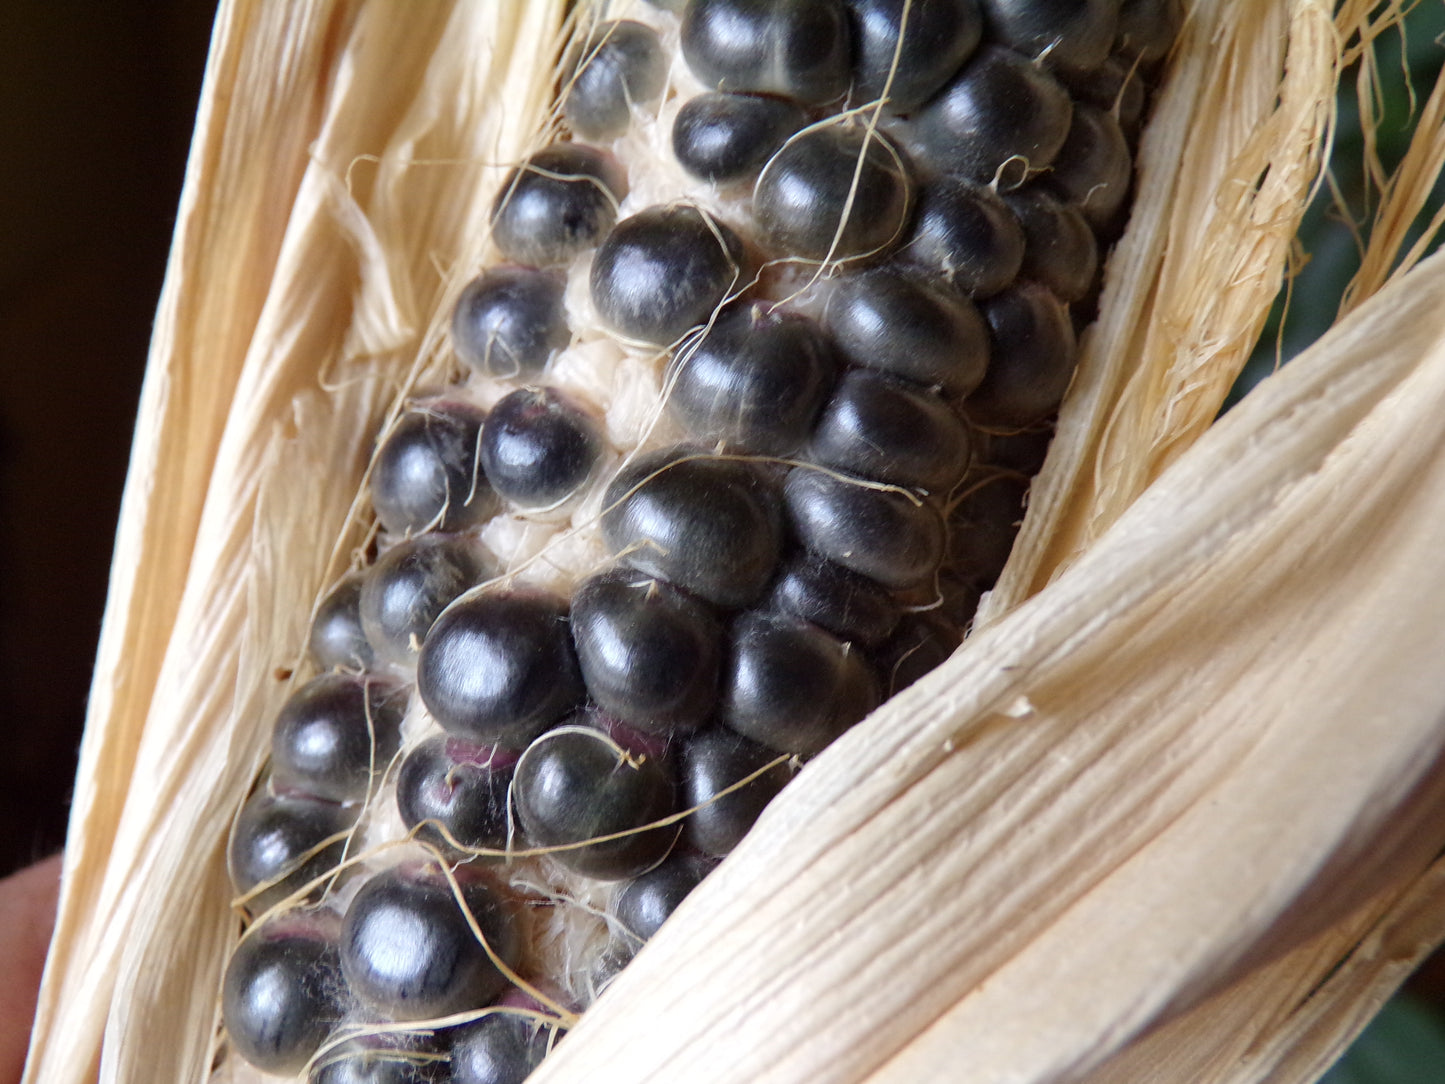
820, 1038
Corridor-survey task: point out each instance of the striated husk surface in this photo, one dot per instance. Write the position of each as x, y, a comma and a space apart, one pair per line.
1170, 815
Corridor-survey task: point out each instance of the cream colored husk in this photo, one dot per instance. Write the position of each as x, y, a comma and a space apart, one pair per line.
1170, 815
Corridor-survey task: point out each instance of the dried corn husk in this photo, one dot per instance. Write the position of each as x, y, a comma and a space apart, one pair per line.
1170, 816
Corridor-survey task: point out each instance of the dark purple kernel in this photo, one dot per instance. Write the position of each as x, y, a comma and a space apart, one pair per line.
408, 951
557, 204
894, 323
336, 735
1022, 452
1147, 28
664, 271
647, 902
282, 995
966, 235
796, 48
271, 838
983, 526
889, 431
886, 535
727, 137
957, 599
452, 788
539, 446
711, 763
426, 475
835, 192
793, 687
620, 67
411, 584
576, 784
649, 653
1059, 247
381, 1059
1073, 34
502, 1048
1001, 117
1115, 87
939, 36
711, 526
848, 605
753, 381
1094, 169
510, 321
921, 643
337, 640
498, 667
1033, 358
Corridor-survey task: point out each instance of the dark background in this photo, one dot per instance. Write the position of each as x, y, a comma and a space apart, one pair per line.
97, 101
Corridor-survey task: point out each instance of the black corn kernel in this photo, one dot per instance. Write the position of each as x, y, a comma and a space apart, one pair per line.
793, 687
1073, 34
502, 1048
848, 605
557, 204
888, 536
938, 37
894, 323
1147, 28
539, 446
411, 584
1094, 168
510, 321
728, 137
921, 643
888, 431
336, 735
1033, 358
282, 993
711, 526
796, 48
649, 653
966, 235
1002, 117
408, 951
711, 763
664, 271
620, 66
337, 640
983, 526
1059, 247
576, 784
380, 1059
753, 381
453, 788
426, 475
499, 667
835, 192
647, 902
271, 839
1116, 87
1022, 451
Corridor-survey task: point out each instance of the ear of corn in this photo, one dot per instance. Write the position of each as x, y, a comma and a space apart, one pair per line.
1124, 806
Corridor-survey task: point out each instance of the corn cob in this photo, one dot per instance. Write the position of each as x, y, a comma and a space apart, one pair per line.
587, 712
402, 645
